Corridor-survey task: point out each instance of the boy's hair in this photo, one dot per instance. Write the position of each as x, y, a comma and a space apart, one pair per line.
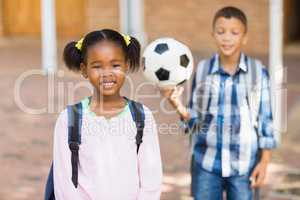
229, 12
73, 56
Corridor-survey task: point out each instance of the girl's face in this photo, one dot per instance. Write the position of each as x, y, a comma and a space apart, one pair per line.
105, 67
230, 35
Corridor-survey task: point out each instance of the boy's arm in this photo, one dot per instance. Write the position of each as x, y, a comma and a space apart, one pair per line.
188, 115
149, 161
266, 140
265, 128
173, 95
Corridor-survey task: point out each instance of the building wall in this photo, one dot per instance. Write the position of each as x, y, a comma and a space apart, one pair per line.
1, 19
21, 18
70, 20
102, 14
190, 21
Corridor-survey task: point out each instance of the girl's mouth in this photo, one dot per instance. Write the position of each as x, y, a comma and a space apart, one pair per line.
108, 84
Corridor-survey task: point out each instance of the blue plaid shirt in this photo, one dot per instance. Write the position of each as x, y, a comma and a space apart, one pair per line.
226, 140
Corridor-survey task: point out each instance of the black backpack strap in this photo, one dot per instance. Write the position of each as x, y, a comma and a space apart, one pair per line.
138, 115
74, 137
49, 191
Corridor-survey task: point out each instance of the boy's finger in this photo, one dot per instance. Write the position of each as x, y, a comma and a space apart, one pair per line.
260, 179
176, 91
166, 91
180, 90
252, 182
173, 94
253, 178
254, 173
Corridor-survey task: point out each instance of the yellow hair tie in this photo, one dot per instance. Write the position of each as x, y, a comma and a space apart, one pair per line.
79, 44
126, 39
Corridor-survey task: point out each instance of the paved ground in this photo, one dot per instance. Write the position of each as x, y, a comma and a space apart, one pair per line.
26, 139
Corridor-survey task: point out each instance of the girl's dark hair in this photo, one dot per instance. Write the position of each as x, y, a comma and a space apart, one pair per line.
73, 56
229, 12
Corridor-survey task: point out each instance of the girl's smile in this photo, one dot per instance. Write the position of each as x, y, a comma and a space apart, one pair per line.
108, 84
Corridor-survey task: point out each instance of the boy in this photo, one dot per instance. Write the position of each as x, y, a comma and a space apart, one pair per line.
229, 115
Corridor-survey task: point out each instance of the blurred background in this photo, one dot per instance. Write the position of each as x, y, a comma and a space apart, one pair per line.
33, 34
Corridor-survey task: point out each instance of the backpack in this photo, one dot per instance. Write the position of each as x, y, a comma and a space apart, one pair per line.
74, 139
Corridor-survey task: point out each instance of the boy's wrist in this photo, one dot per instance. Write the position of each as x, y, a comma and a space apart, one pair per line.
182, 111
266, 155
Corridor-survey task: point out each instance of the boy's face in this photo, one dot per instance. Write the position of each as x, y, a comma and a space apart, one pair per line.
230, 35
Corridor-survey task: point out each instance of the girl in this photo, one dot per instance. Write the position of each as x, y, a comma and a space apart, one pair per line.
109, 166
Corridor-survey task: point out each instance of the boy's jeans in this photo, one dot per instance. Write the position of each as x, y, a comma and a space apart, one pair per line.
209, 186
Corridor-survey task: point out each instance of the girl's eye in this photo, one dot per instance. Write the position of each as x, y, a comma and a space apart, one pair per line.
96, 66
116, 65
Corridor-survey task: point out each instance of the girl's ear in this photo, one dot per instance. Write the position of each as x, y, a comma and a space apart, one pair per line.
83, 69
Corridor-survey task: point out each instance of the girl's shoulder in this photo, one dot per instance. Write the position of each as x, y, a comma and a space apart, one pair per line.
148, 112
62, 116
145, 108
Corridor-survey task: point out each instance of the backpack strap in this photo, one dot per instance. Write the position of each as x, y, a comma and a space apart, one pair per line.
138, 116
74, 137
49, 190
201, 94
202, 85
199, 88
253, 88
206, 71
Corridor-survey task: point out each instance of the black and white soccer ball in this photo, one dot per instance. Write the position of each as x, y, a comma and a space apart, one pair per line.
167, 62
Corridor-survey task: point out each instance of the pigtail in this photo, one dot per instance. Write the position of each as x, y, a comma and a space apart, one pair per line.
72, 56
133, 54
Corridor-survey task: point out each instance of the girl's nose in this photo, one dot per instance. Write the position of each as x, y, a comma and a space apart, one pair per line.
107, 70
107, 73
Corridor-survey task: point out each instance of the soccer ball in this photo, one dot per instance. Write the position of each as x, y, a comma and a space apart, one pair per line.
167, 62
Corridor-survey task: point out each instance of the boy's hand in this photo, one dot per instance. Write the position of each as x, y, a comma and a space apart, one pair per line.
173, 95
259, 173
